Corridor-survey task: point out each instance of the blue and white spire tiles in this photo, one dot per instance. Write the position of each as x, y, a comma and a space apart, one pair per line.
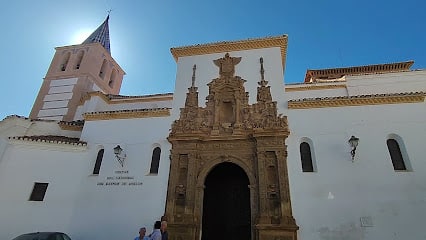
100, 35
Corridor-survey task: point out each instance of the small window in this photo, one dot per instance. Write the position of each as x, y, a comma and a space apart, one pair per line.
306, 157
79, 59
155, 162
38, 192
65, 60
103, 69
112, 78
396, 155
98, 163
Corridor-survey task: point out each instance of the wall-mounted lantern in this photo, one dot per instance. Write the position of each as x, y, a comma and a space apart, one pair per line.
353, 142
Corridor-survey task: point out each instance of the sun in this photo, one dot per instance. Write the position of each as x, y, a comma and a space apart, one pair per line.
80, 36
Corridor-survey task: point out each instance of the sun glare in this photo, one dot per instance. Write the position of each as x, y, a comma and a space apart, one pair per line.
80, 36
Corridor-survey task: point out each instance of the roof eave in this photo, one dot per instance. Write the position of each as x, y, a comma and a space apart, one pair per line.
230, 46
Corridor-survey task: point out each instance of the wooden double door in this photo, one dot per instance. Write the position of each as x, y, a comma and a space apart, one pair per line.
226, 204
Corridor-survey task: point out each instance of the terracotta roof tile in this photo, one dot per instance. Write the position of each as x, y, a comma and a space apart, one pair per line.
130, 110
335, 73
359, 96
31, 119
112, 96
51, 139
72, 123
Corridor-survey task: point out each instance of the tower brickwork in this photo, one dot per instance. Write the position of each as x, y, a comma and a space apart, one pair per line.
74, 71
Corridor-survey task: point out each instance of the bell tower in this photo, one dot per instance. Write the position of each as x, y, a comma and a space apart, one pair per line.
74, 71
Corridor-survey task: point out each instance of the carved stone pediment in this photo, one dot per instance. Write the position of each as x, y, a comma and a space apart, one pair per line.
227, 110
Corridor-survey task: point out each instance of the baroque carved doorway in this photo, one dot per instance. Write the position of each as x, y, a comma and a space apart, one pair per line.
226, 204
229, 137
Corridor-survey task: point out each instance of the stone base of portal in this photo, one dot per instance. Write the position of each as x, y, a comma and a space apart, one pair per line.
276, 232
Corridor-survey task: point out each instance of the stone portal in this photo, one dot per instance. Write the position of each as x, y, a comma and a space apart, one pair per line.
229, 135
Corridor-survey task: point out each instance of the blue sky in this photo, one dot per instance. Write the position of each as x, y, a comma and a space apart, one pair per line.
322, 34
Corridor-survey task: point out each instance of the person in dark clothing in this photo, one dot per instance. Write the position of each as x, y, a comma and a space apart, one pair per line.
164, 233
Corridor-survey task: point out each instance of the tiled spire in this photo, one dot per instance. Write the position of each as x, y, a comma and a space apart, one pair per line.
100, 35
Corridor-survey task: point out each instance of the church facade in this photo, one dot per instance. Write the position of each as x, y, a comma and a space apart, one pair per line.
232, 153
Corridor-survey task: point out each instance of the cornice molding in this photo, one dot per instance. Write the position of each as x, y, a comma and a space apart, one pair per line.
357, 100
50, 140
136, 99
312, 75
314, 87
71, 126
127, 114
116, 99
231, 46
89, 95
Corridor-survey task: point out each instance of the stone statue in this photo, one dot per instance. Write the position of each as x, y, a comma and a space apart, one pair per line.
227, 65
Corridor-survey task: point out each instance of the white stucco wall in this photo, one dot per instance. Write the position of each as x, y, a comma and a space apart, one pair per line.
21, 166
370, 84
75, 201
13, 126
92, 105
338, 92
117, 212
329, 203
401, 82
97, 104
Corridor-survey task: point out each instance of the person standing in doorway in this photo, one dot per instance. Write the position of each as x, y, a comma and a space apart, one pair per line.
163, 229
142, 232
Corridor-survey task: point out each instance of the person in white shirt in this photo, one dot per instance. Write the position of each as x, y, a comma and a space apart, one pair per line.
156, 233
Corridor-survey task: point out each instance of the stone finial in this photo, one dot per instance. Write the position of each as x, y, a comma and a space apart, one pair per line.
227, 65
262, 82
262, 71
193, 75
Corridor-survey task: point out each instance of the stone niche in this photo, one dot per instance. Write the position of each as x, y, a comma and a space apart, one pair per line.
229, 129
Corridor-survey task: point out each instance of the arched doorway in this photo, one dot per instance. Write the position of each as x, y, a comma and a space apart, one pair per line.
226, 204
